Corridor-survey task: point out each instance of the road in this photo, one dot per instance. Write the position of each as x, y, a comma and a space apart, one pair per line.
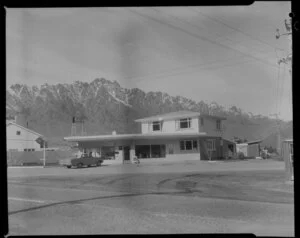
106, 200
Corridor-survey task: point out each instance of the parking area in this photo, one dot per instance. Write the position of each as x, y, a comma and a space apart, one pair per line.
191, 197
151, 167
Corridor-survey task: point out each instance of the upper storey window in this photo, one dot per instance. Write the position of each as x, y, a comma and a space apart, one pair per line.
185, 123
156, 126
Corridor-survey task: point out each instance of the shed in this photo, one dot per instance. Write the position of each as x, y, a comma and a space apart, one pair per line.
249, 149
288, 157
254, 148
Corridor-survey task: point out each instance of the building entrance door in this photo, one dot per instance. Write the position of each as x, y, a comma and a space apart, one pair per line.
126, 155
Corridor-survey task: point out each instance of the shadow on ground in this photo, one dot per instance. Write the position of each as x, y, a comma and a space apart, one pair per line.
80, 201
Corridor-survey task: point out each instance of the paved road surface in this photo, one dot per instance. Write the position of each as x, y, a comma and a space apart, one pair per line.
93, 202
151, 167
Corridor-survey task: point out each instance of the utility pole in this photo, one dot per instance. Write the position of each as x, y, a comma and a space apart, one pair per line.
278, 133
286, 60
288, 26
289, 58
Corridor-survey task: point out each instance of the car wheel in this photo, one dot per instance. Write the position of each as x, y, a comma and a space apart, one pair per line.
99, 163
69, 166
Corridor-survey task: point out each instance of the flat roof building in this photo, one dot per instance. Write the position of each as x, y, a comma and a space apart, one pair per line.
181, 135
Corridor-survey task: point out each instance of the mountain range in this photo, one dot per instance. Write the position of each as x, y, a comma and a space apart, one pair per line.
105, 106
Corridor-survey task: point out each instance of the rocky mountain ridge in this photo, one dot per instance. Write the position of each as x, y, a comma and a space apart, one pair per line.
106, 106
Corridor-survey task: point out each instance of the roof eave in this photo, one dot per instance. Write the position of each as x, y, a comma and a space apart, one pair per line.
131, 137
33, 132
167, 118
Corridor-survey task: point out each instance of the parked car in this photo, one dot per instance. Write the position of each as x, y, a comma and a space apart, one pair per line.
111, 155
84, 160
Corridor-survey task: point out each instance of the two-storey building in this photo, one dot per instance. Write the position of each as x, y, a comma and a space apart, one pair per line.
182, 135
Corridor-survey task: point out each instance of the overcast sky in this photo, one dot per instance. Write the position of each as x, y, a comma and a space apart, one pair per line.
223, 54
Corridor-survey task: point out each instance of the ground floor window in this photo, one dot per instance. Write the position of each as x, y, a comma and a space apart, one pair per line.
188, 145
108, 152
150, 151
29, 150
211, 145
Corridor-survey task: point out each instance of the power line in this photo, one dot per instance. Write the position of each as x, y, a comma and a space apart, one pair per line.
171, 71
224, 66
235, 29
276, 89
201, 28
282, 88
279, 85
201, 38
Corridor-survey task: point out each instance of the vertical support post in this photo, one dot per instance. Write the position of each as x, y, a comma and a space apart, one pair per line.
44, 154
291, 157
279, 141
132, 151
221, 147
150, 151
198, 141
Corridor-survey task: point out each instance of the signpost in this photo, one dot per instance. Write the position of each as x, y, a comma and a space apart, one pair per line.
44, 154
42, 141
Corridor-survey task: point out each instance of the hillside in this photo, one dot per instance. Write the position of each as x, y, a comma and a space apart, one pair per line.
106, 106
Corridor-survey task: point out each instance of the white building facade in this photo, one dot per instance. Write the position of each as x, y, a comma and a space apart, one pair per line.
182, 135
19, 138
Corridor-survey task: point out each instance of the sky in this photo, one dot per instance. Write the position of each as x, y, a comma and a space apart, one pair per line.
217, 54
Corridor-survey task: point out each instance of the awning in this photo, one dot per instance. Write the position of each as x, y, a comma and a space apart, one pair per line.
135, 136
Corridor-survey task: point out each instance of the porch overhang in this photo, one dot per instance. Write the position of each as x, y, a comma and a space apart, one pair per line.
103, 138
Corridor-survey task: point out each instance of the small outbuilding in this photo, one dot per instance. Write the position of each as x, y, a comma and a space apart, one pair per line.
250, 149
288, 157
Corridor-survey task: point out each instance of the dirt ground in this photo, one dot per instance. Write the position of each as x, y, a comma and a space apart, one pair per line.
250, 197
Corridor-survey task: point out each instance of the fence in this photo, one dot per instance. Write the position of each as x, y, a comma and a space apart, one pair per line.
19, 158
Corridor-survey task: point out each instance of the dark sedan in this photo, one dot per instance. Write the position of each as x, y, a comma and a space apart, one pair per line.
84, 161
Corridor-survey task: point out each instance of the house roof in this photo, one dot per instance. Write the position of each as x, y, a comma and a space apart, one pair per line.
171, 115
250, 142
231, 141
254, 142
24, 128
135, 136
176, 115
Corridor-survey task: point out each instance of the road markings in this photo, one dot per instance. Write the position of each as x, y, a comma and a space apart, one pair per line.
24, 167
104, 188
26, 200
